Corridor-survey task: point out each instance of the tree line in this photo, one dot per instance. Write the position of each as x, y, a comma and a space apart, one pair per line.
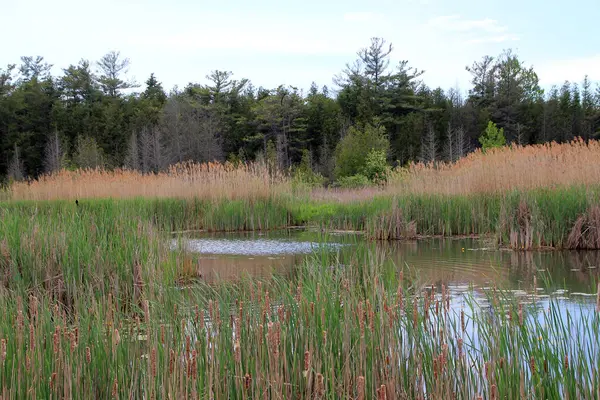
92, 116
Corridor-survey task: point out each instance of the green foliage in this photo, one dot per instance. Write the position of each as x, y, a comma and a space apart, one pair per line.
353, 181
351, 152
376, 168
492, 137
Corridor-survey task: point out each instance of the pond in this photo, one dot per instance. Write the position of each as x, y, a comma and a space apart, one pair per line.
457, 263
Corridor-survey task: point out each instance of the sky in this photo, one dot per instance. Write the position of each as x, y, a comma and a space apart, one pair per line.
297, 42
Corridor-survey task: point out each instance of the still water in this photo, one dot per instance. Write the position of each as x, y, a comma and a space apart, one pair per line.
453, 262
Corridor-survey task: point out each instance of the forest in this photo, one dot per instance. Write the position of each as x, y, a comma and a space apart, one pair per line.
92, 115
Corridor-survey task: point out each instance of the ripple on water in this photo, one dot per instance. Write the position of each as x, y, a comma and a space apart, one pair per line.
252, 247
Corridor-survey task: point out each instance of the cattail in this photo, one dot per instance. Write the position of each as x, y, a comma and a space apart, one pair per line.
532, 365
31, 338
3, 350
55, 342
196, 313
520, 314
162, 334
360, 386
312, 308
27, 361
545, 366
171, 361
52, 381
73, 342
33, 307
306, 360
153, 362
487, 371
460, 347
115, 388
116, 338
371, 320
415, 313
320, 385
361, 319
462, 320
194, 365
566, 362
494, 390
247, 381
501, 363
299, 293
382, 393
237, 352
146, 306
323, 316
88, 355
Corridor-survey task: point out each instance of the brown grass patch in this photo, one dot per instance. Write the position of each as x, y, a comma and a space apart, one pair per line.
211, 181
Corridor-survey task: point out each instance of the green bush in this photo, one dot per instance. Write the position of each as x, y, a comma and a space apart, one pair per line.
353, 182
376, 168
492, 137
351, 152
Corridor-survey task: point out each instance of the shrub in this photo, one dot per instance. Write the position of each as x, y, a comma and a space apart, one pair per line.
353, 182
492, 137
351, 152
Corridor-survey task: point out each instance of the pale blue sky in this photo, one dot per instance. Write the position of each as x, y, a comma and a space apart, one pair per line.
276, 42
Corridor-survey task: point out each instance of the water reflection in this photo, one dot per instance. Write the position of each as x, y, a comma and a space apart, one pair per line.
455, 263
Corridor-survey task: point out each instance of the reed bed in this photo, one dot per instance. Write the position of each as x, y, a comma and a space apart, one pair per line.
209, 181
505, 169
357, 328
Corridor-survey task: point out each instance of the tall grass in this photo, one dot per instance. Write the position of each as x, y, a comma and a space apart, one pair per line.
507, 168
341, 328
209, 181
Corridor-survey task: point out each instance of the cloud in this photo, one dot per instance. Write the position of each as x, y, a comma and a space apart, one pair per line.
472, 31
574, 70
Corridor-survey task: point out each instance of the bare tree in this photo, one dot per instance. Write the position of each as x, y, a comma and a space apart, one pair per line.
16, 168
450, 143
429, 146
132, 160
88, 154
520, 134
54, 159
461, 147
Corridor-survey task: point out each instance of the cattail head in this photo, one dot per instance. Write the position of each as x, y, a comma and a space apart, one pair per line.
194, 364
115, 388
53, 381
116, 338
532, 365
88, 355
460, 347
382, 393
306, 360
146, 306
462, 320
237, 352
566, 364
153, 362
171, 361
520, 314
31, 337
162, 334
33, 307
247, 381
545, 366
493, 394
320, 385
360, 386
55, 342
3, 350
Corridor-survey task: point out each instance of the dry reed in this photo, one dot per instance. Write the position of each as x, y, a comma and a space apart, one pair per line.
211, 181
505, 169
